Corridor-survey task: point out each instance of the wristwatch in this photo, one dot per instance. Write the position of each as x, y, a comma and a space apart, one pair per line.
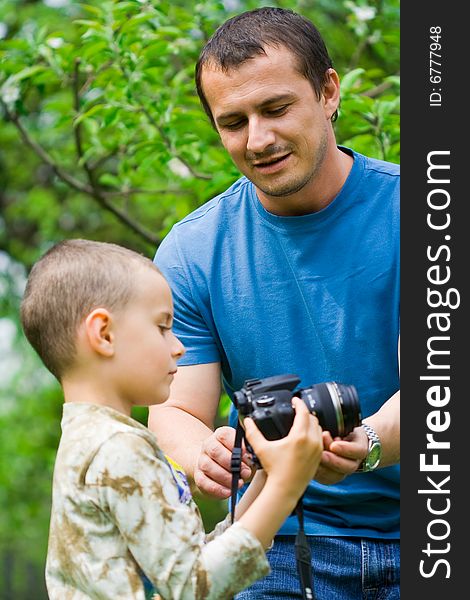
374, 452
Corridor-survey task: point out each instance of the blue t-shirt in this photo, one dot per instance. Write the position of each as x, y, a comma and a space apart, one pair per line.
314, 295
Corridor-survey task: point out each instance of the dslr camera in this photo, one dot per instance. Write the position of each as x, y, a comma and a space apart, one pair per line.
268, 402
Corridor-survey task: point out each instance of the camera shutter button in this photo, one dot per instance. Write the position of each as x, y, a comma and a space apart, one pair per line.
265, 400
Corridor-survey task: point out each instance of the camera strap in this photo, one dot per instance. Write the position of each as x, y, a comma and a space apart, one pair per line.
303, 556
236, 466
302, 549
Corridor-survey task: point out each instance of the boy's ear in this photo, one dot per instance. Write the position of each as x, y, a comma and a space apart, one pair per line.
331, 93
98, 330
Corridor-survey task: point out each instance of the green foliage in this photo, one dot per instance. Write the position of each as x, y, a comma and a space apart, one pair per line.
108, 104
30, 409
99, 104
102, 136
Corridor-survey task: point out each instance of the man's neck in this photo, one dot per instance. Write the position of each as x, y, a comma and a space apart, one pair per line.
318, 192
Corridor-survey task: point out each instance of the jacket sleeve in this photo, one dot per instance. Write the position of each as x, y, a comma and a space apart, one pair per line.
164, 533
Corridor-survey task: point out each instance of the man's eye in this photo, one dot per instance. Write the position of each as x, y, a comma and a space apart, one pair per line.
233, 126
274, 112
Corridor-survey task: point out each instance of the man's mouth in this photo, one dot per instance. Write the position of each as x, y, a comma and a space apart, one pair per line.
271, 164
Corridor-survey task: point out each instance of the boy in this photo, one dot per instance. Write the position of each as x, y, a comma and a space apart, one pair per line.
100, 317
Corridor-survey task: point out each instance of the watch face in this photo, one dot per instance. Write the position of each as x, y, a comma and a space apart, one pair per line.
373, 458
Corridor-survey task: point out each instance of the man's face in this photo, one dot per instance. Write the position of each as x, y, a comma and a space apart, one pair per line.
271, 123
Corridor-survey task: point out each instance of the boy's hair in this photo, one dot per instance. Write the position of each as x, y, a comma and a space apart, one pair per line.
245, 36
65, 285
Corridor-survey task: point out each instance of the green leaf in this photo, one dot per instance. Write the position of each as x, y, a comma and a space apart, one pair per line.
93, 48
169, 31
349, 80
110, 180
26, 73
96, 10
88, 23
89, 113
136, 21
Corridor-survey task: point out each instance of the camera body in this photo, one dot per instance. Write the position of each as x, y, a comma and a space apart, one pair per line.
268, 402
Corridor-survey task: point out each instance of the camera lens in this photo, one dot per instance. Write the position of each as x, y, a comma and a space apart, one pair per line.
350, 407
336, 406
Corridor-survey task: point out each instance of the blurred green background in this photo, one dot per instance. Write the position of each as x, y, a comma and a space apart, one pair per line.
102, 136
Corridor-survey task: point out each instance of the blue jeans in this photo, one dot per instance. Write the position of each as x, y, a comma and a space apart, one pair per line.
343, 569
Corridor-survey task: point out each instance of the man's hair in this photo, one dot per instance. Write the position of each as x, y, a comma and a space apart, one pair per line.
246, 35
65, 285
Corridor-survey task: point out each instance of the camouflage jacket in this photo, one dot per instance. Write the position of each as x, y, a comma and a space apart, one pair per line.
120, 510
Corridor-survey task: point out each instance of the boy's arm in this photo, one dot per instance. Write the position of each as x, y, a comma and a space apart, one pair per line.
252, 492
290, 463
163, 533
288, 466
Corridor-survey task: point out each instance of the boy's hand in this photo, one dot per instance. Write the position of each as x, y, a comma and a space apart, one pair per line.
294, 459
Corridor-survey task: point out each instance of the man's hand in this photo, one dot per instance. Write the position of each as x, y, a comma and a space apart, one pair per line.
341, 457
212, 473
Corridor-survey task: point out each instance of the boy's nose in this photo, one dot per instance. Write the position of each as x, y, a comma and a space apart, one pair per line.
178, 349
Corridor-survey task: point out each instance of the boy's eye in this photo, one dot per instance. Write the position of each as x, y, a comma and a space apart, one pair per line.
164, 328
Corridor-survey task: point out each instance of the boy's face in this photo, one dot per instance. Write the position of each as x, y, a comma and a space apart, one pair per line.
146, 349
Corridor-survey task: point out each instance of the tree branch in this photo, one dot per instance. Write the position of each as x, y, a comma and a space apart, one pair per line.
132, 191
379, 89
357, 53
163, 135
77, 129
44, 156
77, 184
169, 145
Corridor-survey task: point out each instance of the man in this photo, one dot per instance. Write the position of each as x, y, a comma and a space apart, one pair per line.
294, 269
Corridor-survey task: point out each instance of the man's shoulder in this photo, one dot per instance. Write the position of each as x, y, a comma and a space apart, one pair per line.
382, 167
218, 207
208, 223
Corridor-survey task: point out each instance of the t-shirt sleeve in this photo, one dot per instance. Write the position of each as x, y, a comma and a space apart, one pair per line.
189, 324
164, 533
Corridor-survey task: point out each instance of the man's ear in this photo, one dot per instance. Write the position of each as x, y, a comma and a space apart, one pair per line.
99, 331
331, 93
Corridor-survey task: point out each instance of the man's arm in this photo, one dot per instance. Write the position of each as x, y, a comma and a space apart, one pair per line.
342, 457
184, 426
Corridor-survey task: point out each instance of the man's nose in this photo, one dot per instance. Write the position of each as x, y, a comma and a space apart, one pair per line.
260, 135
